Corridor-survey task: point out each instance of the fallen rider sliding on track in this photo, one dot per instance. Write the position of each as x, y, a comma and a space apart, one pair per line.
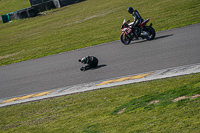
91, 62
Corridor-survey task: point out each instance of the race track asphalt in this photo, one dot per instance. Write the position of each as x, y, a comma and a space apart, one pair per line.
170, 48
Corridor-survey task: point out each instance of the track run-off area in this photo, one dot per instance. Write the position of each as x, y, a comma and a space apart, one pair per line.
172, 52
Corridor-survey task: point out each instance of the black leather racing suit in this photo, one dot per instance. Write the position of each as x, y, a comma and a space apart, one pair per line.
91, 62
137, 21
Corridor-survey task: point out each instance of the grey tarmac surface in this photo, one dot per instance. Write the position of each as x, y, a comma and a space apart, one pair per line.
128, 79
171, 48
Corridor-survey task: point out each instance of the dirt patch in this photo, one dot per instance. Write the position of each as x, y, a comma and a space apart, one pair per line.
175, 100
195, 96
184, 97
179, 98
153, 102
9, 55
121, 111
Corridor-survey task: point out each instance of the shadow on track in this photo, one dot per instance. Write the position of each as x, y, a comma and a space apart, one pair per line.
156, 38
99, 66
160, 37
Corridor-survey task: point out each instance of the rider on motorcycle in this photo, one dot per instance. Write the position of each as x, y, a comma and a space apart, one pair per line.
137, 20
90, 60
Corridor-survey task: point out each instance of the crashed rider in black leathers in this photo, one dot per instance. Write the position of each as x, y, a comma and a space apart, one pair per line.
91, 62
137, 21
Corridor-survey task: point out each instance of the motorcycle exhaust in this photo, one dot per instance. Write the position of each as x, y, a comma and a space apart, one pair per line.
144, 33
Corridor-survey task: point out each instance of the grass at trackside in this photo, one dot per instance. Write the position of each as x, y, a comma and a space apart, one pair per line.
84, 24
8, 6
141, 107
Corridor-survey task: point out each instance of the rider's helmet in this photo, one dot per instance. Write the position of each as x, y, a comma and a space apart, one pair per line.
83, 60
130, 10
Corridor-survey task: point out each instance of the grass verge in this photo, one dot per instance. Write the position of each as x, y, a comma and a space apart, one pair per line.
83, 24
164, 105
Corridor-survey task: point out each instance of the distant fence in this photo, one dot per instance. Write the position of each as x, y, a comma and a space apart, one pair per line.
57, 3
36, 7
20, 14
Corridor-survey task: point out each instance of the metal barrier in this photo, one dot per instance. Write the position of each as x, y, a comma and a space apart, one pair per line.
36, 7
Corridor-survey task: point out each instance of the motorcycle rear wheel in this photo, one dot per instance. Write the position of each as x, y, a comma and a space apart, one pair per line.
151, 33
125, 39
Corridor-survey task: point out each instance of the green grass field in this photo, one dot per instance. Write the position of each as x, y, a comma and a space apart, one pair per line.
7, 6
84, 24
140, 108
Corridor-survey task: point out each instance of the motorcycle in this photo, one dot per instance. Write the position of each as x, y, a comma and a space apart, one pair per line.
143, 32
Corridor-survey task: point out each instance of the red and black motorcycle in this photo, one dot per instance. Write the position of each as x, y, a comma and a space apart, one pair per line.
143, 32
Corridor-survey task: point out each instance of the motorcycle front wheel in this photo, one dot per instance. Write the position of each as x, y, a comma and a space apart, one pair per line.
125, 39
151, 33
